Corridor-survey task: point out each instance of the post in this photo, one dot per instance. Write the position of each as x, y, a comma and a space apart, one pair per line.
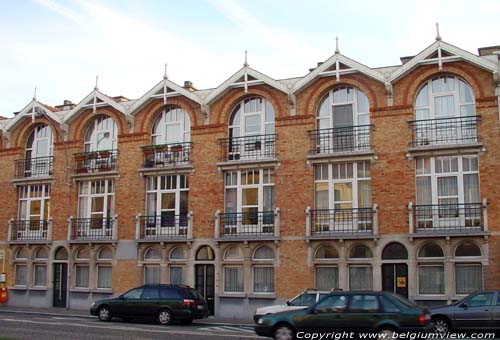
138, 227
308, 222
115, 228
410, 218
277, 222
9, 236
485, 215
49, 229
375, 219
69, 227
190, 225
217, 224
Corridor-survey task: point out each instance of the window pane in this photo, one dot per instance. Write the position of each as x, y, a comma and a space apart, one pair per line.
233, 279
253, 124
21, 271
263, 280
364, 194
321, 196
269, 198
360, 278
342, 115
468, 278
447, 186
176, 275
431, 279
466, 94
444, 106
343, 192
424, 192
152, 274
362, 102
82, 277
364, 304
422, 98
168, 201
104, 277
250, 196
471, 188
231, 199
327, 278
40, 275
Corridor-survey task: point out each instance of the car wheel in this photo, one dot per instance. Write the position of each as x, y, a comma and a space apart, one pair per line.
283, 332
386, 333
105, 313
165, 317
441, 325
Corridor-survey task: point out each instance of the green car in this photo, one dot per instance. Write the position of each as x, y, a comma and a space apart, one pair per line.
357, 312
165, 303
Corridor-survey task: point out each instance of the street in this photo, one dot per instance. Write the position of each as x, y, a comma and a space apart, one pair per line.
41, 327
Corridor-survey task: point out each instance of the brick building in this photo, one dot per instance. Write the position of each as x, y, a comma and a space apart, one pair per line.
350, 177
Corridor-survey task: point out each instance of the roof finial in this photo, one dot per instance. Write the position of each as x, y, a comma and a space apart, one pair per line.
245, 64
337, 51
165, 76
34, 94
438, 36
96, 82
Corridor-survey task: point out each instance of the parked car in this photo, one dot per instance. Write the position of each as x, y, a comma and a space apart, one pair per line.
477, 311
357, 312
165, 303
306, 299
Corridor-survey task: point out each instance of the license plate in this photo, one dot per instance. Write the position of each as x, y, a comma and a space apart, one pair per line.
199, 306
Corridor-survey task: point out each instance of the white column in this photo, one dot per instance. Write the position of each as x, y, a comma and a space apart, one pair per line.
277, 222
138, 227
217, 224
308, 221
410, 218
190, 225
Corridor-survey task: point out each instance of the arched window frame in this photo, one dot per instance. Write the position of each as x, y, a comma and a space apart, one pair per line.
432, 270
252, 107
173, 125
263, 272
104, 270
106, 127
326, 270
40, 142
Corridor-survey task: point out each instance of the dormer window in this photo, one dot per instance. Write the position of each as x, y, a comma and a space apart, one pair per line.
172, 126
102, 134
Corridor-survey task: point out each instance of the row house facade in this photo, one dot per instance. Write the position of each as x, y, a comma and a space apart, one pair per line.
349, 177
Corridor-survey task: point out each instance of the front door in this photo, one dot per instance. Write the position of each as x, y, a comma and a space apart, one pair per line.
395, 278
60, 284
205, 283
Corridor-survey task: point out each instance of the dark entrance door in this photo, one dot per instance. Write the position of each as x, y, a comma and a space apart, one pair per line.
60, 284
395, 278
205, 283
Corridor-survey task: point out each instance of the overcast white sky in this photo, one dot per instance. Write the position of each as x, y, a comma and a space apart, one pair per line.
59, 46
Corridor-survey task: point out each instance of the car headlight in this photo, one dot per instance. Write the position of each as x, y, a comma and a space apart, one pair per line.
260, 321
93, 304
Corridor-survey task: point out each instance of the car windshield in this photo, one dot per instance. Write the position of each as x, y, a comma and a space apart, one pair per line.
304, 300
403, 301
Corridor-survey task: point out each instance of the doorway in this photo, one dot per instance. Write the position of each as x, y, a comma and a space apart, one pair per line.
60, 284
394, 269
205, 283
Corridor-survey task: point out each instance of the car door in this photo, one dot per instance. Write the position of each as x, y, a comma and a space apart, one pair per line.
149, 303
475, 312
326, 316
364, 313
495, 315
126, 304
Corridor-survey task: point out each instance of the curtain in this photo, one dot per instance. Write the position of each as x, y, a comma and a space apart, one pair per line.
152, 274
176, 275
82, 276
233, 279
360, 278
447, 186
471, 188
364, 194
444, 106
21, 271
431, 279
327, 278
468, 278
104, 276
40, 275
263, 280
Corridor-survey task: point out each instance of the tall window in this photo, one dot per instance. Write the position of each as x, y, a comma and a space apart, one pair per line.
102, 134
360, 273
40, 268
21, 267
430, 270
96, 199
152, 258
82, 268
263, 270
233, 270
34, 202
178, 256
171, 126
104, 268
468, 268
39, 149
326, 270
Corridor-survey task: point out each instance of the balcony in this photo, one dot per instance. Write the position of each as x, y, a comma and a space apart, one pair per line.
96, 162
444, 132
247, 226
159, 228
248, 148
30, 231
166, 155
28, 168
448, 219
88, 230
356, 223
340, 140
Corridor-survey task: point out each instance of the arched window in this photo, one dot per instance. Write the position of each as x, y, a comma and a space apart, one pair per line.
394, 251
467, 249
177, 256
468, 272
40, 142
172, 126
431, 270
152, 271
61, 254
263, 270
41, 254
152, 254
360, 252
233, 273
104, 268
205, 253
22, 254
40, 267
105, 254
263, 253
102, 135
178, 253
430, 250
326, 274
21, 267
82, 268
233, 253
326, 253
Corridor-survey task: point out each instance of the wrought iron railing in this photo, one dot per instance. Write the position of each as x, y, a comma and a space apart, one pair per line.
163, 226
96, 161
97, 229
29, 230
248, 148
158, 156
340, 221
442, 131
448, 217
247, 224
33, 167
341, 139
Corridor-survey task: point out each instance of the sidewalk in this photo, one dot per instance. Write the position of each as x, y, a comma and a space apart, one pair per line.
63, 312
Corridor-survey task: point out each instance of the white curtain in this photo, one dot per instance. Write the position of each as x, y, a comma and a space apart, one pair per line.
431, 279
40, 275
21, 271
176, 275
152, 274
327, 278
263, 279
471, 188
104, 276
233, 279
424, 192
82, 276
360, 278
468, 278
444, 106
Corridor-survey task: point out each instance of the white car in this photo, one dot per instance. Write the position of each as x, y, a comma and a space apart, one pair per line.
306, 299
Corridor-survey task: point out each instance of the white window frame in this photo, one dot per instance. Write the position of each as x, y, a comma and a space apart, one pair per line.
470, 264
94, 131
431, 264
181, 122
329, 97
98, 268
41, 133
36, 264
82, 264
25, 265
108, 206
241, 269
25, 194
244, 114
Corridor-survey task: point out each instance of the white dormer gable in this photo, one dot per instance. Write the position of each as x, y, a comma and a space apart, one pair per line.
33, 109
441, 52
94, 99
253, 77
164, 89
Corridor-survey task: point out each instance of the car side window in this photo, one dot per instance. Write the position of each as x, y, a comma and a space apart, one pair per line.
498, 298
133, 294
297, 301
479, 300
150, 293
388, 305
169, 294
332, 304
308, 300
364, 304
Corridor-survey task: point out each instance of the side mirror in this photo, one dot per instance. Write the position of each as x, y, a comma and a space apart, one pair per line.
463, 305
121, 297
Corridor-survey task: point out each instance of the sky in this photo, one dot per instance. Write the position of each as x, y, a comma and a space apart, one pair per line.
59, 46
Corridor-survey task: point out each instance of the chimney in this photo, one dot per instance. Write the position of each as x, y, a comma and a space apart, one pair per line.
318, 65
66, 105
490, 50
188, 85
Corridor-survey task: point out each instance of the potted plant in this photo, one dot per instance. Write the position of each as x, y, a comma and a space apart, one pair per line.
160, 148
176, 148
104, 154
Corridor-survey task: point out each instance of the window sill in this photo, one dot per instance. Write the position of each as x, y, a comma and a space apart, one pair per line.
79, 290
233, 295
262, 296
102, 291
41, 289
18, 288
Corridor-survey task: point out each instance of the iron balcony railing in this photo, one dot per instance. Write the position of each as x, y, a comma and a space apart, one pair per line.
33, 167
30, 230
448, 217
96, 161
443, 131
340, 139
158, 156
92, 229
341, 221
164, 226
248, 148
247, 224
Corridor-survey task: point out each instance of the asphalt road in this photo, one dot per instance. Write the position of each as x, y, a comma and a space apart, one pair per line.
39, 327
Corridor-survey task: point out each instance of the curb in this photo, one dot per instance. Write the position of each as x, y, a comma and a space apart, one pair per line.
201, 323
